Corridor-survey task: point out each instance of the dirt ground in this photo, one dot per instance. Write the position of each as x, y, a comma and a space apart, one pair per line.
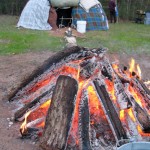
13, 69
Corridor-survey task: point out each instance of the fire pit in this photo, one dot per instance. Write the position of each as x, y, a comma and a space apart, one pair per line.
79, 100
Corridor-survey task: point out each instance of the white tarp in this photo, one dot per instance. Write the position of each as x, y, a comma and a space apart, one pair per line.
35, 15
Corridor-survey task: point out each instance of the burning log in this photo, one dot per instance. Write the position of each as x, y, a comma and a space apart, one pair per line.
29, 105
60, 113
84, 123
122, 97
135, 82
29, 130
87, 68
143, 86
142, 116
110, 111
139, 85
31, 133
46, 65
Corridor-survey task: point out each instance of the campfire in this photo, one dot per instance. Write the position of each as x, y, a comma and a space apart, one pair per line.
80, 100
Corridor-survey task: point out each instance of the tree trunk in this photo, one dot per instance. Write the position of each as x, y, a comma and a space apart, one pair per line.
60, 113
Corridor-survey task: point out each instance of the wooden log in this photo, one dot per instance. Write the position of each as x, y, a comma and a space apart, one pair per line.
135, 82
84, 123
142, 116
60, 114
67, 55
143, 86
31, 133
21, 112
105, 73
143, 90
122, 98
110, 111
88, 68
45, 66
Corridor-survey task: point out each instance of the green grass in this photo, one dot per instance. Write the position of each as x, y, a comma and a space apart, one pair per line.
127, 37
14, 40
121, 37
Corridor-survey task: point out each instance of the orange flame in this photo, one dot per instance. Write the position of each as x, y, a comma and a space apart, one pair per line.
132, 65
134, 68
40, 112
94, 104
139, 71
141, 132
42, 124
23, 127
122, 115
136, 95
130, 113
111, 90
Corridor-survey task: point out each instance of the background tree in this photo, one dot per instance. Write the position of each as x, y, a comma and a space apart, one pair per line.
127, 8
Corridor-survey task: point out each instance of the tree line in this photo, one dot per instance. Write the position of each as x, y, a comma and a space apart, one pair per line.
127, 8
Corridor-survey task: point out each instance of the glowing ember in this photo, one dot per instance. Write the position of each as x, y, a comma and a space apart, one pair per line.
40, 112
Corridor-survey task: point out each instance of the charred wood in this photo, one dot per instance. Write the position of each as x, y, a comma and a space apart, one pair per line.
29, 105
31, 133
142, 116
35, 122
60, 113
143, 86
110, 111
143, 90
87, 68
122, 97
136, 83
105, 73
84, 123
46, 65
74, 53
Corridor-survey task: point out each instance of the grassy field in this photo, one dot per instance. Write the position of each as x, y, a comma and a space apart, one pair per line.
121, 37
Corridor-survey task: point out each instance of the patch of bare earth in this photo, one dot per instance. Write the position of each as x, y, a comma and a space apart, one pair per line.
16, 67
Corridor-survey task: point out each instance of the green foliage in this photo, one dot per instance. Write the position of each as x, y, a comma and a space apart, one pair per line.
12, 7
127, 8
124, 37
